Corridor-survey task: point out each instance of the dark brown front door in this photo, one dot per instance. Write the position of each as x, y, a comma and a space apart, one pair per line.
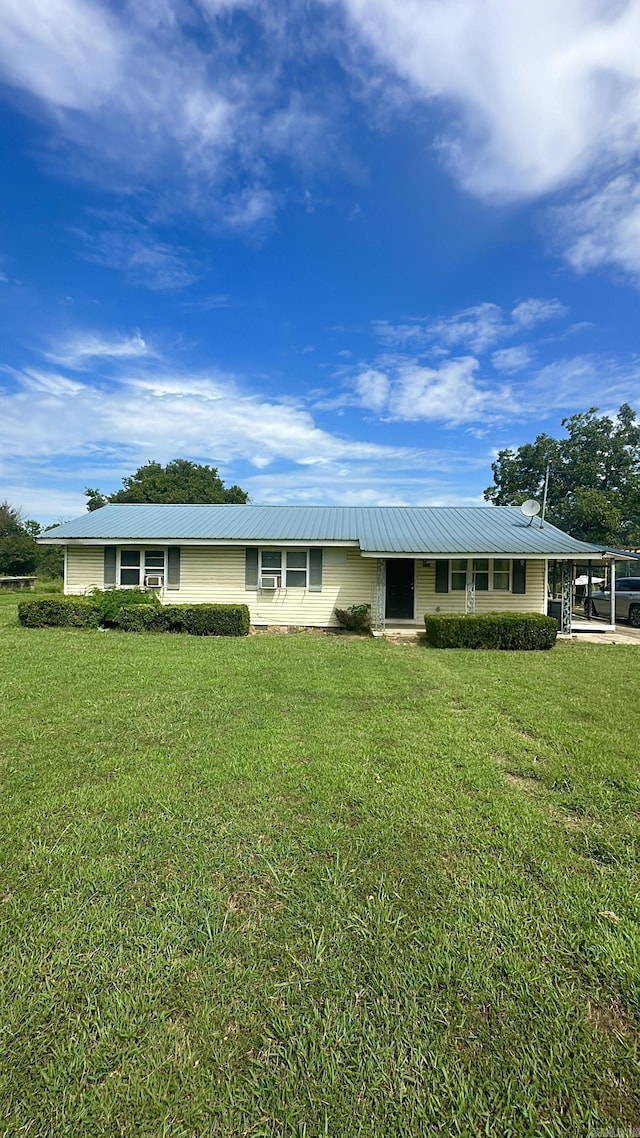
400, 589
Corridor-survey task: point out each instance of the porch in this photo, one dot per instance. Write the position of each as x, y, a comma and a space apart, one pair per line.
408, 587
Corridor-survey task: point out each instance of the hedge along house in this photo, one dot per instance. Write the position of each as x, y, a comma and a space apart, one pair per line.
292, 565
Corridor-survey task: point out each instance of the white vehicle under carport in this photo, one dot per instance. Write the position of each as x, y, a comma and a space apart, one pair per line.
627, 601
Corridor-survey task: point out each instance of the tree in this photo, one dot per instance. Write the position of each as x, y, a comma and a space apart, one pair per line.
594, 483
179, 481
10, 520
18, 550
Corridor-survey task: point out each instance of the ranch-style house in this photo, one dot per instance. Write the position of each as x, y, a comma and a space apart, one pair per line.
292, 565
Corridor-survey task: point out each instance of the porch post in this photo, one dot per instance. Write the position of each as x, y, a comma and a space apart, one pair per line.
379, 597
546, 586
567, 596
612, 582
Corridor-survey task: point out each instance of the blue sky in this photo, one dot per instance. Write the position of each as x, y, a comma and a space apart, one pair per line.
344, 250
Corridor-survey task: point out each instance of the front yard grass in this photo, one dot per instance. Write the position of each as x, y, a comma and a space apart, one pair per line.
308, 885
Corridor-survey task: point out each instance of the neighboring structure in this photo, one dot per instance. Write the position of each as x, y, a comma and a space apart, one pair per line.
17, 582
292, 565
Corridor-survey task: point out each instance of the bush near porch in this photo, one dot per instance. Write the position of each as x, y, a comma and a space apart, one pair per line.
527, 631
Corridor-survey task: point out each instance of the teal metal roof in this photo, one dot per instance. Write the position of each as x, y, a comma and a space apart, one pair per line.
388, 530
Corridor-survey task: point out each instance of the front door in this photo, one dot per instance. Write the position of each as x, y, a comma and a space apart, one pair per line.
400, 589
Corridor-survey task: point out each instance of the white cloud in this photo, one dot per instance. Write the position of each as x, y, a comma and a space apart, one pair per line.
450, 393
163, 414
542, 90
533, 311
477, 328
372, 388
129, 246
603, 227
144, 104
207, 303
436, 483
579, 381
68, 53
538, 97
82, 350
511, 359
455, 392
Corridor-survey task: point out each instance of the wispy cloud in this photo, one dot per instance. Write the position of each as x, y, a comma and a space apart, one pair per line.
83, 350
183, 104
534, 311
603, 226
476, 329
545, 98
435, 483
207, 303
511, 360
461, 392
133, 248
160, 412
541, 91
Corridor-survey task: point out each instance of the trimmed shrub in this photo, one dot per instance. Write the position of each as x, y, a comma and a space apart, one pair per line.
357, 618
196, 620
139, 615
110, 602
59, 612
526, 631
139, 618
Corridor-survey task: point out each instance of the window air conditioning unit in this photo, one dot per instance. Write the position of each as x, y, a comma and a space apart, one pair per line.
154, 580
270, 581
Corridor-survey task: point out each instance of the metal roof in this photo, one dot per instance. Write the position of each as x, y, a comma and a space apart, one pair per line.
386, 530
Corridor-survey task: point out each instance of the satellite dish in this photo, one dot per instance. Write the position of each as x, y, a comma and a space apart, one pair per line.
530, 508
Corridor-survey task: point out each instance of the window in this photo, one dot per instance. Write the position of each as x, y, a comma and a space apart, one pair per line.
486, 574
132, 561
481, 575
297, 569
501, 576
290, 565
271, 561
459, 575
130, 567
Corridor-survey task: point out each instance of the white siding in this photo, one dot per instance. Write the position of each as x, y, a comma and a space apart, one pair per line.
85, 568
428, 601
215, 574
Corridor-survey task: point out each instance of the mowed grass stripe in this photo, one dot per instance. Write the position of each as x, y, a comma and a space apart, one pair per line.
300, 886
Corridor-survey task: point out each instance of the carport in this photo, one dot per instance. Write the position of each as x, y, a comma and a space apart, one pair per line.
563, 609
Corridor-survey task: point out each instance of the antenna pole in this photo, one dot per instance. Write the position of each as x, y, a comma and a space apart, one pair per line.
544, 496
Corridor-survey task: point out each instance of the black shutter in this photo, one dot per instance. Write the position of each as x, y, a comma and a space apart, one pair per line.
442, 576
315, 570
110, 565
173, 567
519, 577
251, 569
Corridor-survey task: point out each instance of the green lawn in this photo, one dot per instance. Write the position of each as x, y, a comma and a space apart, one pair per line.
308, 885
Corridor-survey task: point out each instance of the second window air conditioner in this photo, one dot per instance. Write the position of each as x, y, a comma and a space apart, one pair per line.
270, 581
